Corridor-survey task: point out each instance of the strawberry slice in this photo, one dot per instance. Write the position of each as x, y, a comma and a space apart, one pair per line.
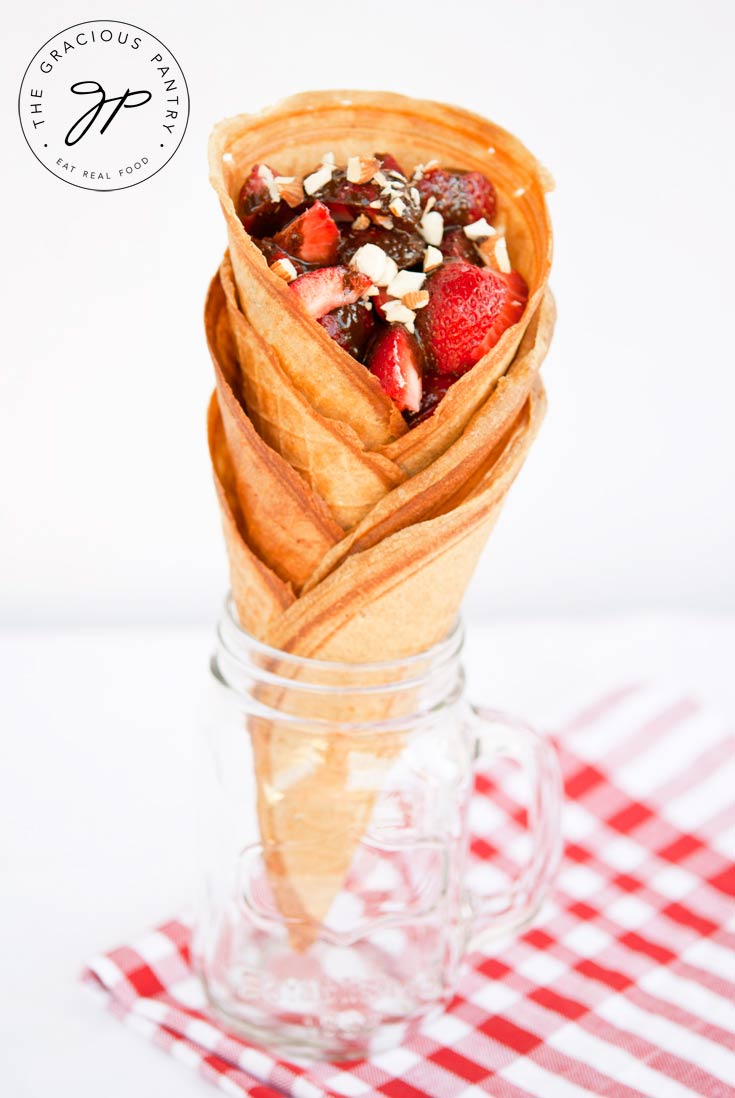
396, 360
435, 387
469, 309
327, 288
256, 206
379, 300
460, 197
388, 163
312, 236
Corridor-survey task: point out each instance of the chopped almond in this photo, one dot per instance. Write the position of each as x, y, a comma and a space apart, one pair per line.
416, 299
266, 175
479, 230
285, 269
361, 169
433, 258
290, 190
406, 282
501, 255
372, 261
395, 312
318, 179
431, 227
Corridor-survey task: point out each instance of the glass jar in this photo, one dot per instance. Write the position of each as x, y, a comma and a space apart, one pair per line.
336, 910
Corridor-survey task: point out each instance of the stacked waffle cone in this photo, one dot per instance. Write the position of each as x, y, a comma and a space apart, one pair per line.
351, 538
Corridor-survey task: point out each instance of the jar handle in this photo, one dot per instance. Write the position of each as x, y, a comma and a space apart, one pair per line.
500, 736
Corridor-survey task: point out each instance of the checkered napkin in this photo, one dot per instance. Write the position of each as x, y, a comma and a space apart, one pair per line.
624, 986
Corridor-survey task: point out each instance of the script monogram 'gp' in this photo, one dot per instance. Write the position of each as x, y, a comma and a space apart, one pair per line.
127, 100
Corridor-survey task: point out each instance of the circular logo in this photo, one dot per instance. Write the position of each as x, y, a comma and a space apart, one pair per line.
104, 105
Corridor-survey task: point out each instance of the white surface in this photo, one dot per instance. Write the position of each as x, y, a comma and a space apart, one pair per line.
107, 512
97, 796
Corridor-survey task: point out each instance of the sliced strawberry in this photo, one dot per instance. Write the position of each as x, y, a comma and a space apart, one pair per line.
435, 388
256, 207
312, 236
406, 248
395, 358
455, 245
469, 309
341, 213
351, 326
379, 300
388, 163
327, 288
460, 197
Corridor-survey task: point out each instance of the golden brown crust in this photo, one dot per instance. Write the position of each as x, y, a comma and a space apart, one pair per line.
260, 596
327, 453
392, 521
294, 134
292, 537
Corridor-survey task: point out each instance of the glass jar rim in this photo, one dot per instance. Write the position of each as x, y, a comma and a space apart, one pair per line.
436, 654
417, 686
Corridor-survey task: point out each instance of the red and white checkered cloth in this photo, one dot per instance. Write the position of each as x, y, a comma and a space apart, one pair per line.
624, 986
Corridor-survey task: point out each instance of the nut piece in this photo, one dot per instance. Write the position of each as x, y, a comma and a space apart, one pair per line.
361, 222
397, 207
494, 253
266, 175
318, 179
406, 282
396, 313
361, 169
285, 269
372, 261
479, 230
418, 171
432, 227
501, 255
416, 299
290, 189
433, 258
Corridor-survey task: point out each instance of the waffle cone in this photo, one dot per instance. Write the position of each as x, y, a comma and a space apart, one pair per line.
292, 538
350, 538
294, 135
326, 452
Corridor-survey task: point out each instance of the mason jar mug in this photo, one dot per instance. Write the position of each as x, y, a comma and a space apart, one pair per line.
336, 909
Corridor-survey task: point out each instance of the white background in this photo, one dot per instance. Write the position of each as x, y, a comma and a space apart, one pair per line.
107, 515
107, 511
